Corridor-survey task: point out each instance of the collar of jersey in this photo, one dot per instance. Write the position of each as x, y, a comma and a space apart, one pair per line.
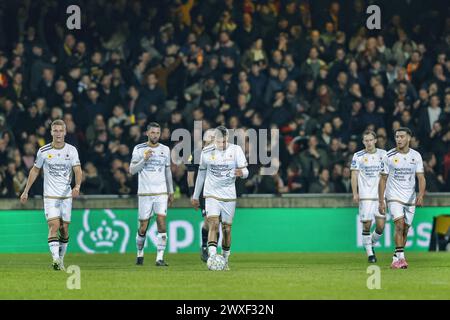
228, 145
53, 146
409, 149
152, 146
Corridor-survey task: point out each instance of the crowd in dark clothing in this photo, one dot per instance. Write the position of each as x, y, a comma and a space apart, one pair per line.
310, 69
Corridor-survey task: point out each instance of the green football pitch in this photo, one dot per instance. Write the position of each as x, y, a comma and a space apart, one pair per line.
252, 276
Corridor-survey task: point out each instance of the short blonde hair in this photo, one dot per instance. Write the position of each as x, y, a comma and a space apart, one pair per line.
58, 123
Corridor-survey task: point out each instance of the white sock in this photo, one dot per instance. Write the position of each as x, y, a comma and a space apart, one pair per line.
140, 241
367, 241
400, 254
212, 250
394, 257
54, 248
226, 254
375, 237
63, 243
161, 245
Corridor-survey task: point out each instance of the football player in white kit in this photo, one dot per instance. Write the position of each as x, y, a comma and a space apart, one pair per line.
58, 159
220, 164
151, 160
366, 166
192, 171
399, 169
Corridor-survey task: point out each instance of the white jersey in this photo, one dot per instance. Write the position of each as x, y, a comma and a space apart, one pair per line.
401, 169
57, 165
152, 177
369, 167
220, 166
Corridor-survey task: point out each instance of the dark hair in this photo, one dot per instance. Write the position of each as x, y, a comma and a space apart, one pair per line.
152, 73
153, 125
404, 129
367, 132
223, 130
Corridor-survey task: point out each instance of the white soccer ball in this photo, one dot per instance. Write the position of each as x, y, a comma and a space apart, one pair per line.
216, 262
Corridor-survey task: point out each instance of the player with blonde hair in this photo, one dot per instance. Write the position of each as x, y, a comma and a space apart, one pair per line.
58, 161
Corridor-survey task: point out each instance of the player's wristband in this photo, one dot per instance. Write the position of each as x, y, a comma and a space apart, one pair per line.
191, 191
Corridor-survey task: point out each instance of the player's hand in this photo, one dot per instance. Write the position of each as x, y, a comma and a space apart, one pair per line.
147, 154
195, 203
382, 207
24, 197
238, 173
419, 201
170, 199
355, 198
76, 192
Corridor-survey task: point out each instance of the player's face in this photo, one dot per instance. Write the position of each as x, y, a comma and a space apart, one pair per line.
369, 142
153, 135
58, 133
402, 139
221, 142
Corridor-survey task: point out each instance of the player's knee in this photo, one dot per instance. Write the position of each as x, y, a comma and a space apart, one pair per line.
379, 230
213, 223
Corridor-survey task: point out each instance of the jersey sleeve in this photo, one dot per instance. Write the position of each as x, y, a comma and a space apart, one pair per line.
168, 157
355, 163
202, 165
75, 158
419, 165
39, 162
136, 156
384, 170
241, 161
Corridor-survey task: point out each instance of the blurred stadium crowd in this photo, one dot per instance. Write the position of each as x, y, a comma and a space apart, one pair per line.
308, 68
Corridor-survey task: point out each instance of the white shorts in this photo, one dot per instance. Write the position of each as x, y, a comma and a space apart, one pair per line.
368, 210
399, 210
148, 205
224, 209
58, 209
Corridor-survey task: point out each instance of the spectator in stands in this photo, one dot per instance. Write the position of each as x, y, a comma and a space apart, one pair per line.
312, 71
323, 183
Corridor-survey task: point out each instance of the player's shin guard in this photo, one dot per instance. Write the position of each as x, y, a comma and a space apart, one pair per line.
212, 248
53, 244
63, 242
376, 237
140, 242
161, 246
367, 242
226, 252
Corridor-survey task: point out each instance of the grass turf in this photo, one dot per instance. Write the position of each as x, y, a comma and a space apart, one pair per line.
252, 276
